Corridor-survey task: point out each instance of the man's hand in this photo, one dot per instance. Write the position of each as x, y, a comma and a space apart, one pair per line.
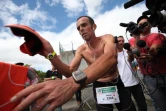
46, 79
130, 56
47, 48
53, 92
153, 51
145, 57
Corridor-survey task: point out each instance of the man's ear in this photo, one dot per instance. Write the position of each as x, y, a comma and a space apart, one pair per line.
94, 26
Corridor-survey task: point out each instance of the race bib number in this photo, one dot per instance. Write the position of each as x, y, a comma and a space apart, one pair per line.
107, 95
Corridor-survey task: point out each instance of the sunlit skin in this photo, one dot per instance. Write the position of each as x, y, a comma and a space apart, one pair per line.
99, 53
94, 46
85, 29
120, 44
147, 29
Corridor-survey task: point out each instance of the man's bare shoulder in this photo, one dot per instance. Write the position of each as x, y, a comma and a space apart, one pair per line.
81, 48
107, 37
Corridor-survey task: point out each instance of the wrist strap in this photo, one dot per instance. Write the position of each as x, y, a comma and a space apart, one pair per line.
51, 55
54, 53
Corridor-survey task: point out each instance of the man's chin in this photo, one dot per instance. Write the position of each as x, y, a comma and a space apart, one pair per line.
85, 38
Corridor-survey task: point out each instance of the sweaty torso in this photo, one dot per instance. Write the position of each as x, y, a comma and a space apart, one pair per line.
92, 53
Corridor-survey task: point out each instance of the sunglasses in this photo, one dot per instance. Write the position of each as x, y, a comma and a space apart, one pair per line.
143, 24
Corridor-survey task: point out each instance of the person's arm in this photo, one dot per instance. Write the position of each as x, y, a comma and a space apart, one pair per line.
130, 56
46, 79
104, 63
67, 70
95, 70
157, 43
58, 92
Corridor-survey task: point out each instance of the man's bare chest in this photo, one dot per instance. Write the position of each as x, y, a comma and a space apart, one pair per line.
91, 55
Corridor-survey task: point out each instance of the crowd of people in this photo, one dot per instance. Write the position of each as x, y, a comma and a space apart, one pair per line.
109, 69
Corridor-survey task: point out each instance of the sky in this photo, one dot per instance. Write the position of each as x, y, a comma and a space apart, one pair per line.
55, 20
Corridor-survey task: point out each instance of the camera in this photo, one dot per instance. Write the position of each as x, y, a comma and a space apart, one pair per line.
158, 19
133, 28
156, 12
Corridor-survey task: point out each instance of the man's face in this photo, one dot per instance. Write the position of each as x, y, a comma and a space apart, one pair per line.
85, 28
120, 42
147, 28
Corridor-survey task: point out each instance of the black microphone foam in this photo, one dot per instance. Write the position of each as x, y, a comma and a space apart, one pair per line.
123, 24
141, 43
131, 3
136, 52
127, 46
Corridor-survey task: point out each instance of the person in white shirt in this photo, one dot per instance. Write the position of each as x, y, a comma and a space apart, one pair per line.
130, 81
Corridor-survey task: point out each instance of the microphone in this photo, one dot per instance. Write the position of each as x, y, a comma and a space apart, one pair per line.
126, 46
123, 24
131, 3
27, 84
142, 44
136, 52
32, 76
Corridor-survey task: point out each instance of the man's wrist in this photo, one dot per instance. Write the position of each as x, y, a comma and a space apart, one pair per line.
80, 77
76, 85
50, 56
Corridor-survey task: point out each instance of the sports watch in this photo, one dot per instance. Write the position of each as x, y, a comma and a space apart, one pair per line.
79, 77
50, 56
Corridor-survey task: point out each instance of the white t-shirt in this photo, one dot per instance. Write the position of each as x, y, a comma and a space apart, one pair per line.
124, 68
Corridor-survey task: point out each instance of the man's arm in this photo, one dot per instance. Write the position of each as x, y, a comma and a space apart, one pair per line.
46, 79
67, 70
57, 92
104, 63
157, 43
130, 57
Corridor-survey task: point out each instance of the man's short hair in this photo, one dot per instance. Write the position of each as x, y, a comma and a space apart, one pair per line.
142, 17
90, 19
120, 36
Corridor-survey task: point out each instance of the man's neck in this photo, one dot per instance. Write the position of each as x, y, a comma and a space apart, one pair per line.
145, 34
92, 42
119, 49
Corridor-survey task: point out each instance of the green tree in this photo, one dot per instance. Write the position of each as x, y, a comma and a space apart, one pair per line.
41, 75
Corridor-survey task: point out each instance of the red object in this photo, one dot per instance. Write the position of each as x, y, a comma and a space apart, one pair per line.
32, 44
158, 67
12, 80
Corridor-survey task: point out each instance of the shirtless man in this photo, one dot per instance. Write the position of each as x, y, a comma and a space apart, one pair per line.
101, 56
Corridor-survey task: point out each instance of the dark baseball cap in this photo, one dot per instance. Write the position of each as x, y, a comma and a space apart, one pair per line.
141, 17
